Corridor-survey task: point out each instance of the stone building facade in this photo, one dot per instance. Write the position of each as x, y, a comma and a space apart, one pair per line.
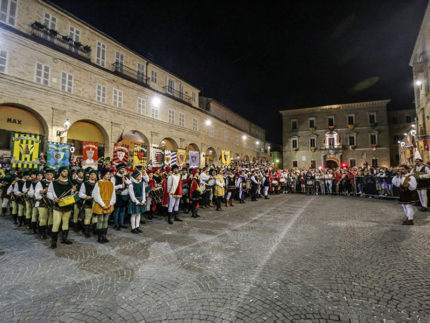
420, 68
401, 122
355, 134
55, 68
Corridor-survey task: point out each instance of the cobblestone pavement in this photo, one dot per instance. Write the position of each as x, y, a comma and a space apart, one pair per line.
292, 258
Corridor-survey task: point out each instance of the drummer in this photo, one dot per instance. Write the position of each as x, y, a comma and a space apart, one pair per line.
59, 189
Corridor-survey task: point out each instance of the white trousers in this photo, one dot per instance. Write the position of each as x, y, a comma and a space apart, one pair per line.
148, 203
173, 203
409, 211
227, 197
265, 190
422, 194
135, 220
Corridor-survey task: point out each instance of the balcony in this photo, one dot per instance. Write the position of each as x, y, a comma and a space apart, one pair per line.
335, 147
129, 73
64, 44
177, 95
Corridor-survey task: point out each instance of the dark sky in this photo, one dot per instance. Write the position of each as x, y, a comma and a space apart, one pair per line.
259, 57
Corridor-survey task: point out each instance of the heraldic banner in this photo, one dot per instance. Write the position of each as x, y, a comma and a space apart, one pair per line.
90, 152
167, 157
140, 155
181, 157
58, 155
226, 160
25, 150
194, 159
120, 154
157, 157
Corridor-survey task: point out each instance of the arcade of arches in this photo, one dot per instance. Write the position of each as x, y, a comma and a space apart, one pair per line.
14, 117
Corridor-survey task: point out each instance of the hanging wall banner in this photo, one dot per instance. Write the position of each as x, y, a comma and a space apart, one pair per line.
181, 157
120, 153
25, 150
226, 160
194, 159
157, 157
167, 154
140, 155
90, 154
173, 158
58, 155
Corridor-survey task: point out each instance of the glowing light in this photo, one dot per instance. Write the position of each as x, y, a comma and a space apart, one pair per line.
257, 142
413, 133
243, 137
156, 101
418, 82
208, 122
405, 134
277, 160
398, 141
67, 124
344, 165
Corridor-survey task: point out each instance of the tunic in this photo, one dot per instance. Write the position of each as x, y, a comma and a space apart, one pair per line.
103, 193
137, 193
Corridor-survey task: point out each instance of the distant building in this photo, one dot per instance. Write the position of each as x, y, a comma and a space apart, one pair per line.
401, 122
354, 134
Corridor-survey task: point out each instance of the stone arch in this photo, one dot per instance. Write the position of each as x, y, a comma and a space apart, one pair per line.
168, 144
20, 118
210, 155
192, 147
88, 130
254, 159
237, 156
245, 158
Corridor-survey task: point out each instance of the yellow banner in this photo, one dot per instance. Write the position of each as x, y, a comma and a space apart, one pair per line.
421, 145
226, 160
25, 150
140, 156
407, 153
181, 157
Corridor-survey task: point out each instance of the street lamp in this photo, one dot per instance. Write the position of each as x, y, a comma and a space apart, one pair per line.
277, 160
156, 101
208, 122
244, 137
257, 142
66, 127
418, 82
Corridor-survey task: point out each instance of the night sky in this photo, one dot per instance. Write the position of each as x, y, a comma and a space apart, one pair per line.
259, 57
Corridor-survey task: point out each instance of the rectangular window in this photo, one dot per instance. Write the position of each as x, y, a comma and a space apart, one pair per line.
100, 93
408, 119
117, 98
170, 85
66, 82
212, 131
181, 91
101, 54
141, 106
140, 72
312, 142
312, 123
181, 119
352, 140
294, 163
313, 164
3, 61
331, 142
193, 96
119, 61
8, 11
374, 162
352, 163
75, 34
373, 140
351, 119
50, 21
372, 118
293, 125
154, 112
195, 124
171, 116
294, 144
42, 75
330, 121
153, 76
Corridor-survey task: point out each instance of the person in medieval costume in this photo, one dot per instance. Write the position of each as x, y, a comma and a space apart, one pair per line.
85, 194
137, 204
254, 185
121, 182
58, 190
104, 200
43, 203
408, 194
164, 177
219, 189
422, 175
5, 199
195, 193
151, 204
241, 185
186, 181
204, 178
266, 185
230, 184
20, 190
174, 187
13, 199
78, 180
31, 194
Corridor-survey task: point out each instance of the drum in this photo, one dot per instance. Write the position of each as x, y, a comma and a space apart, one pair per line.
282, 180
275, 183
68, 200
157, 194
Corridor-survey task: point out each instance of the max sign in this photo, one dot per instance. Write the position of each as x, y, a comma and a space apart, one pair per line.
15, 121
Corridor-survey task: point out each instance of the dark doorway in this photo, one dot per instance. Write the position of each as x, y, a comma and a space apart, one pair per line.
332, 164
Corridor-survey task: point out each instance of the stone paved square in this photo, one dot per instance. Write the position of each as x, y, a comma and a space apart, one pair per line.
294, 258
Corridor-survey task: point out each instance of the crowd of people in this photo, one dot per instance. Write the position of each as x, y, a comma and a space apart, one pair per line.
50, 201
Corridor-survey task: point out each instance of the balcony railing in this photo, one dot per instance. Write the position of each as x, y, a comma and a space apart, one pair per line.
63, 43
332, 147
176, 94
129, 73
